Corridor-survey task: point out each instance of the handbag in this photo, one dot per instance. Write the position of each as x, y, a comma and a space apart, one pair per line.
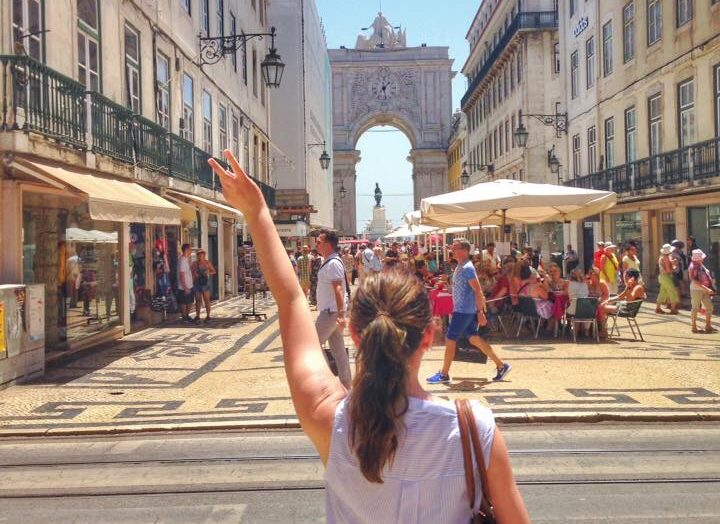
468, 432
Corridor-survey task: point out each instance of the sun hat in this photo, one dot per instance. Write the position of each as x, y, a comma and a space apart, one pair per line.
600, 243
698, 255
667, 249
677, 244
610, 245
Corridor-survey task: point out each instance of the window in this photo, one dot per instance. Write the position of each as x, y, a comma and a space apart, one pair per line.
132, 69
717, 100
233, 30
519, 67
573, 7
262, 12
163, 90
556, 58
655, 124
684, 11
244, 63
507, 135
205, 17
220, 13
590, 62
628, 32
654, 21
27, 19
576, 155
256, 157
574, 75
246, 147
188, 127
686, 116
222, 123
185, 4
630, 135
254, 73
592, 149
609, 142
235, 130
501, 132
207, 122
88, 44
607, 49
512, 130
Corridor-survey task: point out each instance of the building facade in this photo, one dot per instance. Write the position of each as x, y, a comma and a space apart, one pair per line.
513, 70
643, 95
108, 120
301, 121
456, 151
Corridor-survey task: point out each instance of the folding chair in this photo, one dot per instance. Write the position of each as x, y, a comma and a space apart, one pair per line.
496, 317
628, 310
586, 313
527, 310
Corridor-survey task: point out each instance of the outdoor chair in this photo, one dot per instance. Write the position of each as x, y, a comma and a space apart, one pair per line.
495, 317
585, 313
527, 310
628, 310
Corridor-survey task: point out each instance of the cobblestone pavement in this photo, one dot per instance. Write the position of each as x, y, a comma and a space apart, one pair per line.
230, 374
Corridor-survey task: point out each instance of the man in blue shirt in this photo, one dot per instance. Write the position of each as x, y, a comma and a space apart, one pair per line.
468, 314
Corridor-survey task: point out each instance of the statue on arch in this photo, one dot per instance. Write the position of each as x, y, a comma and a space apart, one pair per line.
378, 195
384, 36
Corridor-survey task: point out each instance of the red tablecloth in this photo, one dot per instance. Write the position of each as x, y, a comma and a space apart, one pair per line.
442, 303
560, 304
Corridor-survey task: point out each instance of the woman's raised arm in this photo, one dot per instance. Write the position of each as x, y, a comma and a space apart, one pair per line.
314, 389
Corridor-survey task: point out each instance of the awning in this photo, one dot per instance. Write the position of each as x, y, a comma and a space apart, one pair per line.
108, 198
215, 207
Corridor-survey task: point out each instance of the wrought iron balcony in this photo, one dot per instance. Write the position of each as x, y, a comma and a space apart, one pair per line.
529, 21
38, 99
692, 163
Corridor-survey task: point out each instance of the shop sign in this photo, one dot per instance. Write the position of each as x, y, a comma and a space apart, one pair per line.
299, 229
581, 26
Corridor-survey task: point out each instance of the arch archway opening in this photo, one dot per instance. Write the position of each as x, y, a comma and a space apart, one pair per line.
384, 152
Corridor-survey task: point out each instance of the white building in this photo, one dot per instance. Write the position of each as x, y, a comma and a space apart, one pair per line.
643, 98
513, 70
301, 120
108, 121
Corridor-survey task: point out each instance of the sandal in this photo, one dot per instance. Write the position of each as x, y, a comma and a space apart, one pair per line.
696, 330
710, 330
660, 311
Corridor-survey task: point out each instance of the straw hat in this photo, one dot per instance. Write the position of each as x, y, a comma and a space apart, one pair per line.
698, 255
667, 249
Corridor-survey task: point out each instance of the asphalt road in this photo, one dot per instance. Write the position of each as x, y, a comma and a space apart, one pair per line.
567, 473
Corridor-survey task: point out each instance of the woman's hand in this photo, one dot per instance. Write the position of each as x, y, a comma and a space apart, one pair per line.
239, 190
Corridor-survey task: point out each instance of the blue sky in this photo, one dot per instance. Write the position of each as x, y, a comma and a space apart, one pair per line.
384, 153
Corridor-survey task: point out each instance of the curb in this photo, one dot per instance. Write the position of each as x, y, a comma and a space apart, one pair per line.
293, 424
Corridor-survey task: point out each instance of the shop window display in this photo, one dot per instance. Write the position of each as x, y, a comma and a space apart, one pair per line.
77, 259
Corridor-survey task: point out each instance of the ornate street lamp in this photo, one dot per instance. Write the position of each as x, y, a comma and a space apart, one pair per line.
213, 48
343, 191
558, 121
465, 177
553, 162
324, 157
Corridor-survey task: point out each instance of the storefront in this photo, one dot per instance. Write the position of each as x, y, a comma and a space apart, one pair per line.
704, 225
292, 233
82, 235
214, 227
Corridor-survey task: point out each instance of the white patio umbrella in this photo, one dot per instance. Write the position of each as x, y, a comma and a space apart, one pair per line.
408, 231
503, 201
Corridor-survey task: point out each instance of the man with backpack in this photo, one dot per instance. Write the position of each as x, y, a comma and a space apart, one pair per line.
333, 293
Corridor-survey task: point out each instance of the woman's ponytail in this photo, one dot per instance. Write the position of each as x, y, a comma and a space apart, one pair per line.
390, 313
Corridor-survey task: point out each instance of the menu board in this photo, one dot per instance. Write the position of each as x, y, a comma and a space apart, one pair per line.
35, 311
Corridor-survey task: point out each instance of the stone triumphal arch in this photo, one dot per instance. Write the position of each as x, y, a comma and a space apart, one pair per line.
384, 82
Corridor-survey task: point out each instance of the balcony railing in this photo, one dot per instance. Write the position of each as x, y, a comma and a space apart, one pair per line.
38, 99
685, 165
533, 20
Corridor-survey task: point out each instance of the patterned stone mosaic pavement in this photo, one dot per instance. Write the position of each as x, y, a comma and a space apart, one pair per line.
229, 374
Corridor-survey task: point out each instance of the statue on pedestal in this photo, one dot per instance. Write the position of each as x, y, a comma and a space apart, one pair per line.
378, 195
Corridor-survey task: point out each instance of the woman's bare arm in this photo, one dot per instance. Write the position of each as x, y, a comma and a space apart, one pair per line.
314, 389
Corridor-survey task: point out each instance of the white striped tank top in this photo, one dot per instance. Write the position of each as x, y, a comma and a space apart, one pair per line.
426, 481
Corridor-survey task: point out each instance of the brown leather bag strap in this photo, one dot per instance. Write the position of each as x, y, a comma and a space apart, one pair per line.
467, 454
485, 503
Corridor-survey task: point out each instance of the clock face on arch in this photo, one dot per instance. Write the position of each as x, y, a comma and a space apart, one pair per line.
384, 87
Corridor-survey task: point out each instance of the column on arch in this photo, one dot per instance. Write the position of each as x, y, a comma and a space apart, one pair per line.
344, 175
430, 173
